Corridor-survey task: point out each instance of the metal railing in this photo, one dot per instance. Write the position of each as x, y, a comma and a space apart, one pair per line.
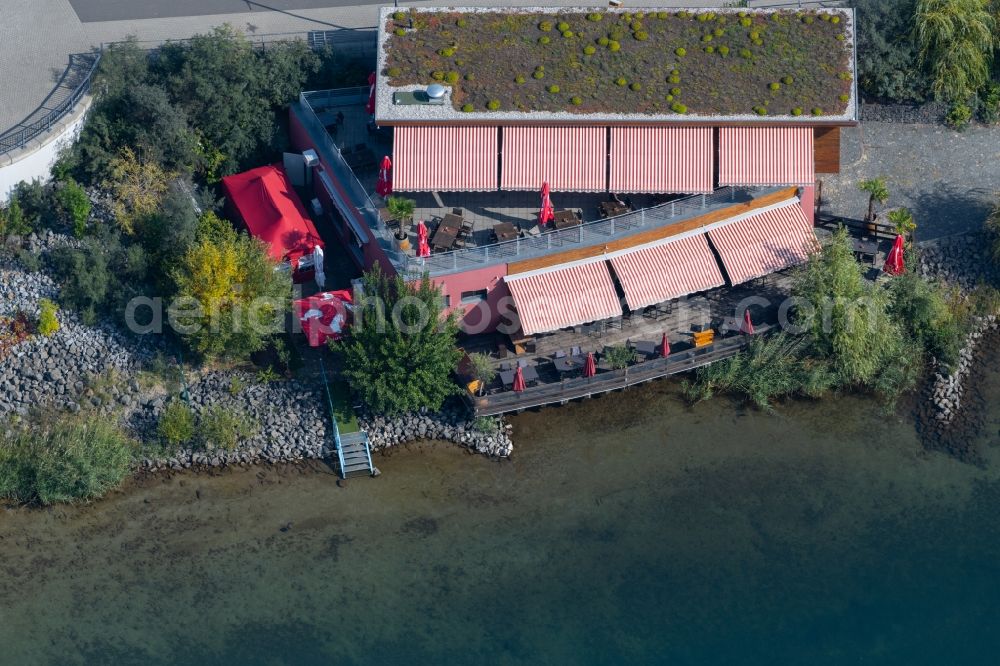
20, 135
587, 233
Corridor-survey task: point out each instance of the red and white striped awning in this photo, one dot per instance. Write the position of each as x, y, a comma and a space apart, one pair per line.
444, 159
668, 269
661, 159
551, 299
764, 241
569, 159
766, 156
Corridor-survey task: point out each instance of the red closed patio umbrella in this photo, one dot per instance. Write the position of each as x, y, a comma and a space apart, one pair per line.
590, 367
894, 264
547, 213
664, 346
370, 107
519, 380
384, 183
423, 248
747, 325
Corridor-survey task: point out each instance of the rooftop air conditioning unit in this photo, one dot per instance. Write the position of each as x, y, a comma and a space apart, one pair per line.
310, 157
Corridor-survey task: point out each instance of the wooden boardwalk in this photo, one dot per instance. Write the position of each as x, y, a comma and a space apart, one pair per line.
582, 387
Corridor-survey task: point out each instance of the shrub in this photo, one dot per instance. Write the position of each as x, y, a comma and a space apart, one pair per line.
723, 50
636, 86
680, 52
989, 108
48, 323
470, 77
808, 20
394, 71
538, 74
621, 81
959, 116
674, 79
544, 39
755, 34
74, 204
746, 54
447, 52
675, 91
824, 17
663, 15
568, 34
437, 75
400, 32
844, 98
553, 88
641, 35
68, 460
709, 49
461, 23
787, 80
467, 108
614, 46
576, 101
563, 26
774, 85
451, 77
176, 426
669, 97
797, 111
746, 22
619, 356
545, 26
835, 19
594, 17
718, 32
224, 428
519, 79
760, 110
758, 42
589, 50
399, 16
677, 107
706, 38
845, 76
493, 104
817, 111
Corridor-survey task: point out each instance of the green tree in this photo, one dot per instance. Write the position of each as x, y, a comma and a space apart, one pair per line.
956, 40
401, 353
138, 186
849, 323
401, 209
923, 309
482, 370
230, 297
619, 357
877, 192
902, 221
888, 61
13, 221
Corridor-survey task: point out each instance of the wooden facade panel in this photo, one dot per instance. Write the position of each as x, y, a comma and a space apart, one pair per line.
826, 147
652, 235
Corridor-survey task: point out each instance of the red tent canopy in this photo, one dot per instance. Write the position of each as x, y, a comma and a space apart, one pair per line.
265, 201
325, 315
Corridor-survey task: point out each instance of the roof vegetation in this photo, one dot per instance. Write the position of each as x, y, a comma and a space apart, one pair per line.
706, 63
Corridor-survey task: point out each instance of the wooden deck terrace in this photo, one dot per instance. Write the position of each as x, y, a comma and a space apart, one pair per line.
563, 391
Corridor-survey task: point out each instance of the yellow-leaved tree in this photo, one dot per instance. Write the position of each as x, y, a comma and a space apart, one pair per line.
137, 187
230, 298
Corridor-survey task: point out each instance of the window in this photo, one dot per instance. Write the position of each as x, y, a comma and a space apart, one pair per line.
473, 296
445, 301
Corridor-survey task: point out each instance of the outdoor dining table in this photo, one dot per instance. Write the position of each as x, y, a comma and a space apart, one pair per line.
566, 364
505, 231
563, 219
444, 238
452, 220
644, 347
529, 373
612, 208
865, 247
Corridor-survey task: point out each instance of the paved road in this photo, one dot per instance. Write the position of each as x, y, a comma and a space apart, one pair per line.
91, 11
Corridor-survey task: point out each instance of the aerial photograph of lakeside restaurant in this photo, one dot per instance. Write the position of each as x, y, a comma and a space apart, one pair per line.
568, 194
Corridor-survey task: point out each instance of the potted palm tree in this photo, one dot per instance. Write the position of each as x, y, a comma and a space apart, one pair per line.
401, 209
482, 371
902, 221
877, 192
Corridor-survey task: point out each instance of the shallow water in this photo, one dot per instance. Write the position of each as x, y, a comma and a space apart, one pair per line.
627, 528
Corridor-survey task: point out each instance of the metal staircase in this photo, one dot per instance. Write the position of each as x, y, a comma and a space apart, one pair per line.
353, 453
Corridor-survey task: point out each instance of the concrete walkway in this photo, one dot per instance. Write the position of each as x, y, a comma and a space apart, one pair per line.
949, 180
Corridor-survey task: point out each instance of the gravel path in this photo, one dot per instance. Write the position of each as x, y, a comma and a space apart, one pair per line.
949, 180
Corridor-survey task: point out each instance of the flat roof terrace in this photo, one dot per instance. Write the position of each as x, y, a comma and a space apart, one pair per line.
606, 65
340, 126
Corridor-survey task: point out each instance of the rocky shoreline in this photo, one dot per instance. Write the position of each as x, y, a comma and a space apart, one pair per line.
949, 414
104, 370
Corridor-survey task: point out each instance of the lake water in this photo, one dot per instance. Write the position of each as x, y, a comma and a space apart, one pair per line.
629, 528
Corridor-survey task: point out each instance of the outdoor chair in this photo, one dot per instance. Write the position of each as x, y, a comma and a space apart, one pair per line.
575, 351
506, 366
559, 354
466, 228
522, 363
501, 350
457, 211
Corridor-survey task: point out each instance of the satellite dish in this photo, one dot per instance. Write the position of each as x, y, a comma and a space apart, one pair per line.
435, 91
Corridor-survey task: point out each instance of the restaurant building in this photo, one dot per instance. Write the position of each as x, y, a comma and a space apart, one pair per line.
652, 200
